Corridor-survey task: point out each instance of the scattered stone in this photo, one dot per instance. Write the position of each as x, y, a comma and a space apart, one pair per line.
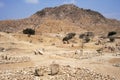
116, 65
2, 49
54, 69
38, 72
5, 59
78, 51
39, 52
58, 72
80, 54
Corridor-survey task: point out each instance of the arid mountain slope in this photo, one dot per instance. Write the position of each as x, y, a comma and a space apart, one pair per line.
64, 18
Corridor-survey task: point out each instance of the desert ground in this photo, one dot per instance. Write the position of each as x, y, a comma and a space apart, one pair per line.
45, 57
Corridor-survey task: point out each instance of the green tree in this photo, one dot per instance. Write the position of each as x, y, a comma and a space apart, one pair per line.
111, 36
29, 31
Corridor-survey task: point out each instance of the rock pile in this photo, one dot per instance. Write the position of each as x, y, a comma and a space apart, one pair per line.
53, 72
112, 49
19, 74
4, 59
53, 69
70, 73
100, 41
79, 54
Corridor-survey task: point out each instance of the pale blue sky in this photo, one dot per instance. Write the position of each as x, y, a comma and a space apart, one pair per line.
17, 9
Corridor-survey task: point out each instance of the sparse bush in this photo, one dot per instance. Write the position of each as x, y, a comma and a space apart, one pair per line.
110, 36
87, 36
86, 39
68, 37
112, 39
81, 36
29, 31
111, 33
90, 34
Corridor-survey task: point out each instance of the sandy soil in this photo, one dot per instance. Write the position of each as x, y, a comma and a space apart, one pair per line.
53, 51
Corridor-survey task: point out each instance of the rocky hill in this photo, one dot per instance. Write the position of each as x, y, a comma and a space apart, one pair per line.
64, 18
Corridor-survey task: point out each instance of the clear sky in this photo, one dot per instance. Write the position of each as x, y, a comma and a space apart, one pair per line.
17, 9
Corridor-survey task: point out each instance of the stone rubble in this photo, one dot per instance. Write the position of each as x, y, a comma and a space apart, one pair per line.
116, 65
81, 55
47, 73
5, 59
39, 51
